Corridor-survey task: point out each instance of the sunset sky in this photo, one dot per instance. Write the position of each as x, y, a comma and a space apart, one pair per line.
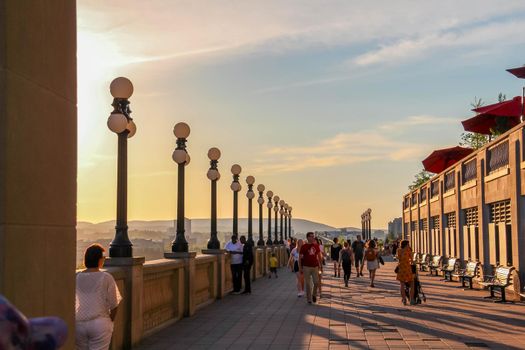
330, 104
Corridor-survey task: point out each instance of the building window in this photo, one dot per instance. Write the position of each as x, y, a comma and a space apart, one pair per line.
451, 220
435, 222
450, 182
434, 189
498, 157
414, 199
470, 171
500, 212
423, 194
471, 216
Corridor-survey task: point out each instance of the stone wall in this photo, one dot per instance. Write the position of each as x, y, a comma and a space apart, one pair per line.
165, 297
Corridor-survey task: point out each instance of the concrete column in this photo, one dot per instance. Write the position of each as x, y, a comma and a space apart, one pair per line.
483, 214
38, 157
221, 272
131, 303
189, 271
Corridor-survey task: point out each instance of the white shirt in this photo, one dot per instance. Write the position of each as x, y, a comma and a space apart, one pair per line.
234, 247
295, 254
96, 295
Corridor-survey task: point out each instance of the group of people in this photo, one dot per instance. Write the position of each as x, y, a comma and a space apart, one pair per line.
355, 253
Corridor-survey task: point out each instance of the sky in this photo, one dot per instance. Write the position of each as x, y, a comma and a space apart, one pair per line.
330, 104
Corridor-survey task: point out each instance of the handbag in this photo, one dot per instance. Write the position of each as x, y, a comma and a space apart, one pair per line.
396, 270
381, 261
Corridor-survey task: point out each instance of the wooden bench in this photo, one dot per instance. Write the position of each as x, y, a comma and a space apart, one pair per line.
448, 269
435, 264
423, 262
468, 273
500, 280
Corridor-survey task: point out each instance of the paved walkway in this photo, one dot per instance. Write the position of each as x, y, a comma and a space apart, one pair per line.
357, 317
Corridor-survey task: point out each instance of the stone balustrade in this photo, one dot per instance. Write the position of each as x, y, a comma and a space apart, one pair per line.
156, 293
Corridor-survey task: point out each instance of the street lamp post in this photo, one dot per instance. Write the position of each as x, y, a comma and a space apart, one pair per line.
182, 158
260, 201
213, 174
276, 212
250, 180
289, 221
269, 194
236, 187
286, 222
281, 211
121, 123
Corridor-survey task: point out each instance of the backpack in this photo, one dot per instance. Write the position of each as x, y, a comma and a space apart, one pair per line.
345, 256
370, 255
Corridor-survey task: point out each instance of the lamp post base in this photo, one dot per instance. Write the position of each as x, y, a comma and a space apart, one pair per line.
213, 243
120, 251
179, 247
260, 242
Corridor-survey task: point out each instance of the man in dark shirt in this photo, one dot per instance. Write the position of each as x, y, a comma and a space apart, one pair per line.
247, 262
358, 247
334, 255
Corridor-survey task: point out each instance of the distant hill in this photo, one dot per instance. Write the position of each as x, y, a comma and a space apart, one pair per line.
107, 228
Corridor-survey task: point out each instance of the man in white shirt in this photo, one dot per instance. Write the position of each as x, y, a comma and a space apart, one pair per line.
234, 247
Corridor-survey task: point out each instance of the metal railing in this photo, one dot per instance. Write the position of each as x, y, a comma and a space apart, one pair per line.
498, 157
434, 189
450, 181
469, 171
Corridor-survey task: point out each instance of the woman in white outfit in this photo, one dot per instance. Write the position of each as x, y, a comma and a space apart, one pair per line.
294, 263
97, 298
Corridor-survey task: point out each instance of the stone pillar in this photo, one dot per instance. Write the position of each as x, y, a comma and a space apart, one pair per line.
221, 273
189, 283
131, 303
38, 157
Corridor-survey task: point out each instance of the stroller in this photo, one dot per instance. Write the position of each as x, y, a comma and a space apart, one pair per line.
419, 295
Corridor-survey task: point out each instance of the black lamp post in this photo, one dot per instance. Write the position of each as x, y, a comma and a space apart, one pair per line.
276, 212
281, 211
182, 158
286, 222
213, 174
269, 194
260, 201
250, 180
236, 187
290, 222
121, 123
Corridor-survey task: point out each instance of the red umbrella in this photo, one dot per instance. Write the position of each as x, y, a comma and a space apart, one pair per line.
441, 159
517, 72
489, 116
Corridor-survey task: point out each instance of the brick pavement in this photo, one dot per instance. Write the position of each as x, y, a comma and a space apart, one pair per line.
357, 317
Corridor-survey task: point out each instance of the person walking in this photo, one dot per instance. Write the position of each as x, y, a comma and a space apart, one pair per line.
247, 263
404, 271
309, 265
346, 257
323, 257
273, 266
294, 262
97, 298
234, 247
358, 247
372, 262
334, 255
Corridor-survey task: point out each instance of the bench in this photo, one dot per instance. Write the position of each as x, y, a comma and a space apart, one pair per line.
468, 273
500, 280
448, 269
435, 264
423, 262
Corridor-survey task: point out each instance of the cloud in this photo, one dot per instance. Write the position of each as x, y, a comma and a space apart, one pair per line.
497, 35
376, 144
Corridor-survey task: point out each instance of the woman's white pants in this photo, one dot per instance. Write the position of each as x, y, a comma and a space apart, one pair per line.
94, 334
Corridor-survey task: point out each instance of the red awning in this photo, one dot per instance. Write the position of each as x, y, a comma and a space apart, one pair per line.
488, 116
441, 159
517, 72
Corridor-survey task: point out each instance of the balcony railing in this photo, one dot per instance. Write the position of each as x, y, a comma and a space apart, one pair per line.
498, 157
470, 171
414, 199
423, 194
407, 203
450, 182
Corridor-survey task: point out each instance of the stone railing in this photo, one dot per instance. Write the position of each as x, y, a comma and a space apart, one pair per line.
160, 292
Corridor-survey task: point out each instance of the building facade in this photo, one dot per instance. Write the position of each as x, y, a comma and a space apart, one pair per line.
475, 209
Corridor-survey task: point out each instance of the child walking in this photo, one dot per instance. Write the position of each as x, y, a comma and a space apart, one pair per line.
273, 266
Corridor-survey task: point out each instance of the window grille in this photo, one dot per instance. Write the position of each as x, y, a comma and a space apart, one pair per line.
423, 223
500, 212
434, 189
498, 157
423, 194
471, 216
435, 222
414, 199
470, 171
451, 220
407, 203
413, 226
450, 182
